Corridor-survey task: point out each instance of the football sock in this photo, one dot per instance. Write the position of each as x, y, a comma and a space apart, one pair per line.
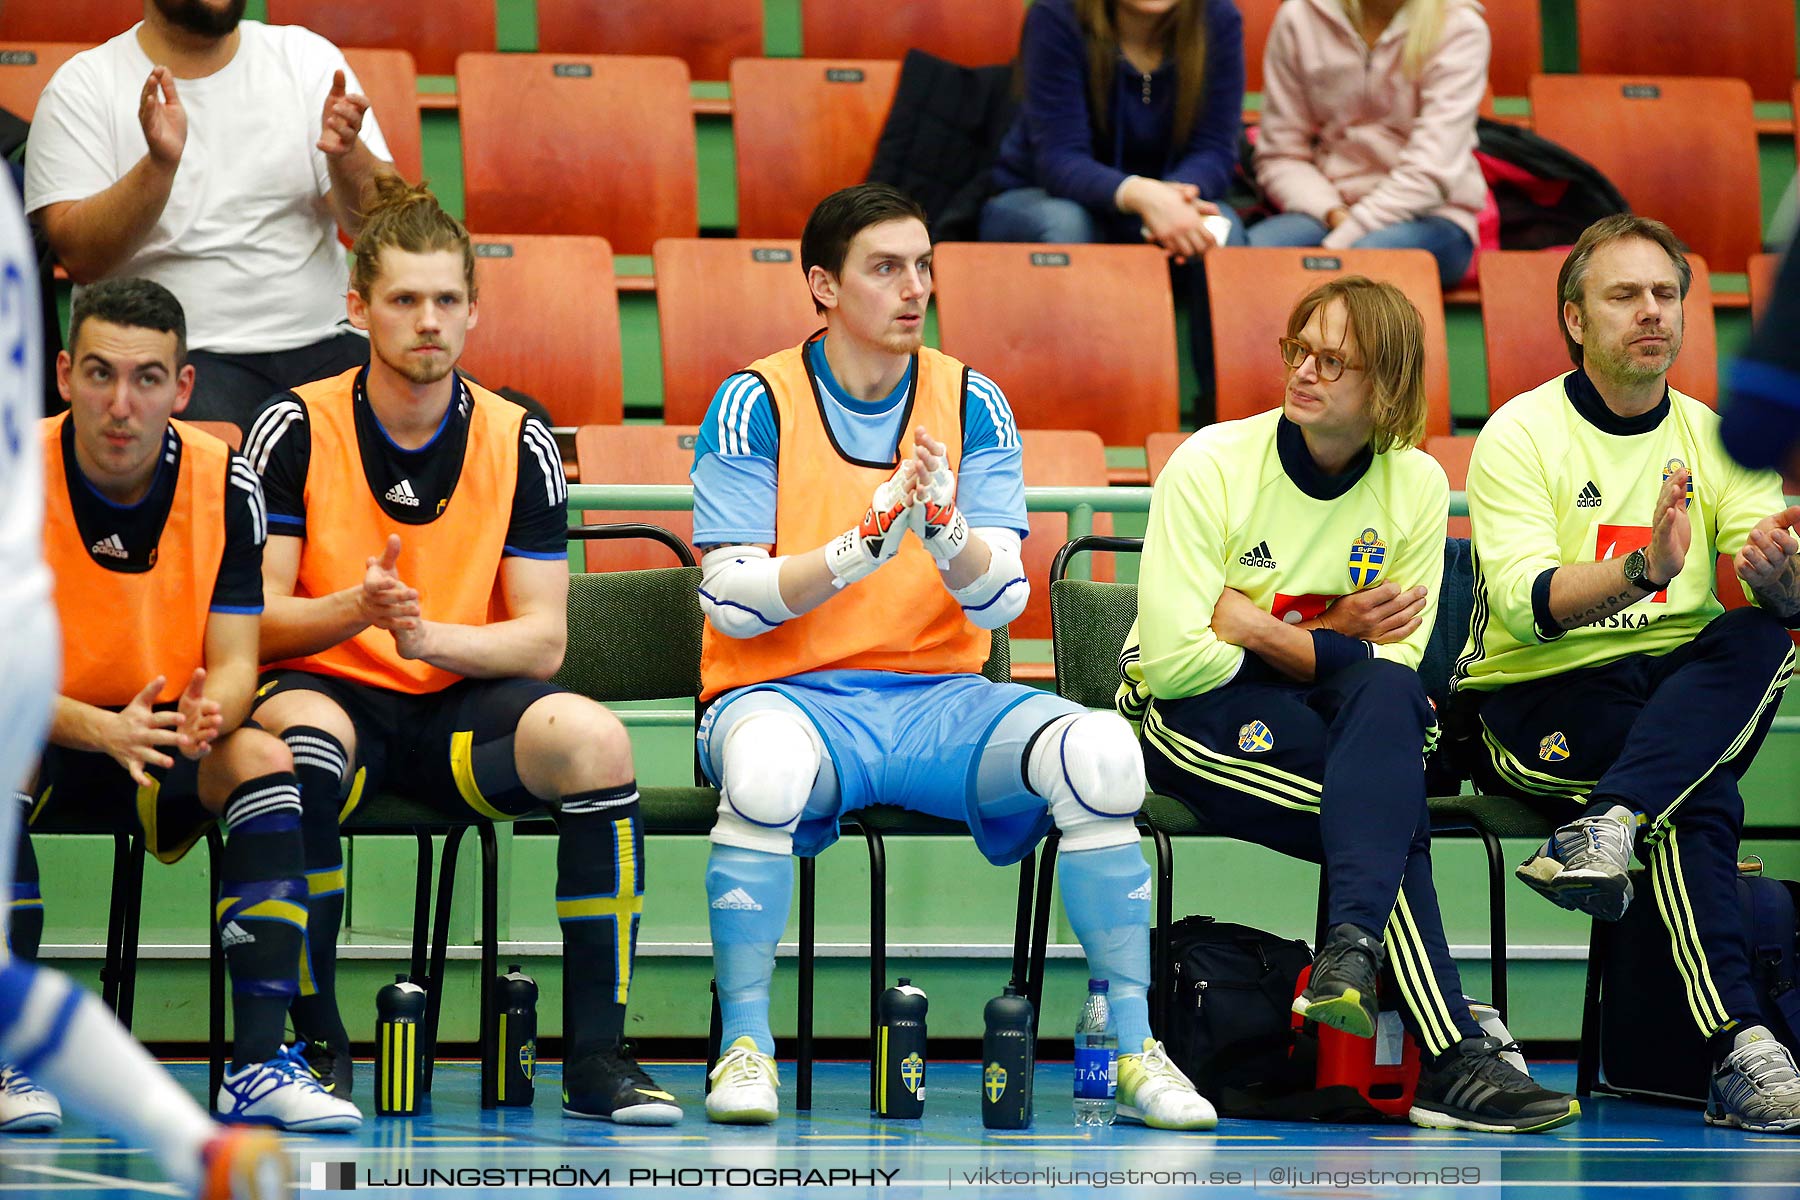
748, 893
1106, 892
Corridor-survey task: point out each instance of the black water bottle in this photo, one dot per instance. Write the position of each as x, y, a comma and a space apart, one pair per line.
1007, 1061
515, 1028
399, 1029
900, 1053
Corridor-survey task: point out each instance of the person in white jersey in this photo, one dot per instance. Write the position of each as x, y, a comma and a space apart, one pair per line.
49, 1028
219, 157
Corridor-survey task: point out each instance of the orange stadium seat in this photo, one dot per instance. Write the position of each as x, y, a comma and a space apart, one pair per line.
1703, 178
1752, 40
971, 32
1452, 454
1521, 327
578, 144
1762, 282
721, 304
435, 33
86, 21
639, 454
1259, 18
803, 128
392, 86
1517, 28
1056, 458
25, 67
548, 325
1254, 288
1078, 337
1159, 448
706, 34
226, 431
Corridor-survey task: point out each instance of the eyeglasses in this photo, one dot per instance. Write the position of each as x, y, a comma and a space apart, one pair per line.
1331, 364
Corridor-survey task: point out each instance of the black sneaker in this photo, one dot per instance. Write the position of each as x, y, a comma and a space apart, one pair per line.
332, 1067
608, 1085
1472, 1087
1341, 992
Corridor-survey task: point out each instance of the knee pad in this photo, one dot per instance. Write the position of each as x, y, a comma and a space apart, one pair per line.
769, 763
1088, 766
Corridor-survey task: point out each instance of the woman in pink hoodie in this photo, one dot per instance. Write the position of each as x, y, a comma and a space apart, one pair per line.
1368, 127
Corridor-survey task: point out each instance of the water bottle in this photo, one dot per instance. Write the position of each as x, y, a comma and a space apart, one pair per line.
515, 995
399, 1014
900, 1052
1096, 1059
1006, 1061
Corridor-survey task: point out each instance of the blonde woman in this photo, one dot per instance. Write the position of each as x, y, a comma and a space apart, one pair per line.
1368, 127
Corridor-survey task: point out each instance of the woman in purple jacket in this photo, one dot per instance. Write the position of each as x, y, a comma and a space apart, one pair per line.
1128, 132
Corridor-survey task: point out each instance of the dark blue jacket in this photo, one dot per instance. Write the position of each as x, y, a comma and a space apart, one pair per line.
1057, 145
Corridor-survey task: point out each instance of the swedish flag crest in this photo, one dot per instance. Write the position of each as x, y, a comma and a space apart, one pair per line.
1673, 465
1255, 738
1367, 553
1554, 748
912, 1072
993, 1082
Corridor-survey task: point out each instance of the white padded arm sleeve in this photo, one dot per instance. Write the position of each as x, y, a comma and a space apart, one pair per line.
740, 590
1000, 594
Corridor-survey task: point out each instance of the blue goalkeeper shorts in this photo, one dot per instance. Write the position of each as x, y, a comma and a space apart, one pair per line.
917, 742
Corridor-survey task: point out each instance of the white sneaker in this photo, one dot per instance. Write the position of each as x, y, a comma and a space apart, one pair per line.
1154, 1092
283, 1093
1757, 1086
1586, 865
24, 1106
743, 1087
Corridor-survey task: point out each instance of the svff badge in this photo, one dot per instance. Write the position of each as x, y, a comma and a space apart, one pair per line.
1367, 554
993, 1081
912, 1072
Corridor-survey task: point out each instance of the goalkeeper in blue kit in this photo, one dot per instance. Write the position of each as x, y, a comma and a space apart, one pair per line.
1290, 578
1603, 676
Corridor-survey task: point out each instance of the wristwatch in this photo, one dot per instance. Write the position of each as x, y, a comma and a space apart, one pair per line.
1637, 573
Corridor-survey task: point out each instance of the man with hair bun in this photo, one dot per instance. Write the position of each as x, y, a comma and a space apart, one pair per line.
417, 580
1289, 583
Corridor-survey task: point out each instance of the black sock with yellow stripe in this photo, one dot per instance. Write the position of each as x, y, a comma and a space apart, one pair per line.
25, 907
599, 895
323, 769
262, 911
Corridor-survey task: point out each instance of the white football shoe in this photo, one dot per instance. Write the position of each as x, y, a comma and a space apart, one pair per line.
284, 1094
24, 1106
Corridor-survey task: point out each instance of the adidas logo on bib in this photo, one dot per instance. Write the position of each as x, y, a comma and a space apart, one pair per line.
1590, 496
402, 493
109, 547
737, 898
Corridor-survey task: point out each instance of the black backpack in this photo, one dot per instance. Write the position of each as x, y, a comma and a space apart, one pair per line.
1644, 1001
1230, 1031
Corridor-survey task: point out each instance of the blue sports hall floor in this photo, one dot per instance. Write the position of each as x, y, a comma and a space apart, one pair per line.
455, 1149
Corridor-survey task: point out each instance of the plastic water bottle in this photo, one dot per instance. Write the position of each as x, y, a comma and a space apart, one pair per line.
1096, 1059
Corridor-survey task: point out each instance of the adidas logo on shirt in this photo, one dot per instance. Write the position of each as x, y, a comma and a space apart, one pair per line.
402, 493
1590, 496
1258, 556
737, 898
109, 547
235, 935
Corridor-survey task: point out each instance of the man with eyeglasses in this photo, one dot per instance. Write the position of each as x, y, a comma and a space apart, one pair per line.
1289, 581
1603, 675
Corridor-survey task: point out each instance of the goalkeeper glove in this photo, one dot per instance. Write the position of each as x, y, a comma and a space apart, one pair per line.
859, 550
937, 520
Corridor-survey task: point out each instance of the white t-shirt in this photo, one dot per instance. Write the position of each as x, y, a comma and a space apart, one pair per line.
247, 241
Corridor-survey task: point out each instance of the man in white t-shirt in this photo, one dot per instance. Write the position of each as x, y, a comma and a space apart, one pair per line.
219, 157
